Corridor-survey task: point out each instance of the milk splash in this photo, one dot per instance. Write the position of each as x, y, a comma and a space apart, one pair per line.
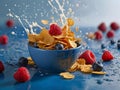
35, 24
62, 15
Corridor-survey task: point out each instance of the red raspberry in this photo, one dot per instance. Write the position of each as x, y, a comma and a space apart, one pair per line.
22, 75
55, 30
107, 56
114, 26
1, 67
0, 39
4, 39
88, 56
102, 27
110, 34
10, 23
98, 35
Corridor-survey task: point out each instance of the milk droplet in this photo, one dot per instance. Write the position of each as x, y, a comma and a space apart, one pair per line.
6, 5
13, 33
77, 5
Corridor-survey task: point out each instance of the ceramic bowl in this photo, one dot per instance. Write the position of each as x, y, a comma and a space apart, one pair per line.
54, 60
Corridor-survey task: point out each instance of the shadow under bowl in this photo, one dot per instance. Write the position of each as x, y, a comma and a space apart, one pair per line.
54, 60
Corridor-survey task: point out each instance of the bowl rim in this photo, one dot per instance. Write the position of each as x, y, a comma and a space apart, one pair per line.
55, 50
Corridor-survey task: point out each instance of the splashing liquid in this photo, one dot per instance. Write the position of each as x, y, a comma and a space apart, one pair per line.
35, 24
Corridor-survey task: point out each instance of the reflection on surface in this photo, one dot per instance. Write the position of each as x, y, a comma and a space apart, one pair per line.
2, 76
22, 86
41, 74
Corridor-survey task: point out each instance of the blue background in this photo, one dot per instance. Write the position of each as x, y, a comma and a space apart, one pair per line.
86, 12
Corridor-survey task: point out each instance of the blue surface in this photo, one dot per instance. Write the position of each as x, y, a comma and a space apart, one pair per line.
41, 80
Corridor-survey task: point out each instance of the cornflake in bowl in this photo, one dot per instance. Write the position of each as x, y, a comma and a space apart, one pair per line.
56, 49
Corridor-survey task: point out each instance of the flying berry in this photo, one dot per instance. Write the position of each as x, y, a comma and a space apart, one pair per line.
10, 23
55, 30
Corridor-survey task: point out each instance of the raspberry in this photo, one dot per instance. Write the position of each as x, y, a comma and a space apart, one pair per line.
110, 34
0, 39
10, 23
88, 56
107, 56
1, 67
22, 75
4, 39
55, 30
98, 35
102, 27
114, 26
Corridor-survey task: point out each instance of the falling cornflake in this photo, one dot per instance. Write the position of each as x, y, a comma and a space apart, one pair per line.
44, 22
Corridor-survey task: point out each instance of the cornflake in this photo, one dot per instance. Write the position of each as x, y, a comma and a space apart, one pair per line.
67, 75
44, 22
46, 41
100, 73
74, 67
70, 22
30, 61
80, 65
91, 35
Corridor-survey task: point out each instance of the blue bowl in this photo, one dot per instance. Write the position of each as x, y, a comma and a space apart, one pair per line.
54, 60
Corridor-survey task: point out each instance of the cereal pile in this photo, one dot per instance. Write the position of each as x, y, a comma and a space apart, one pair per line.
80, 65
55, 38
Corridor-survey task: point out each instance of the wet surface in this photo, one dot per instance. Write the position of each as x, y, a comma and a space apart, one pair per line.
17, 47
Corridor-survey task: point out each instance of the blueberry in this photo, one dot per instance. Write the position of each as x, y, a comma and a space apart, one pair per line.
118, 41
35, 45
112, 41
59, 46
78, 43
118, 45
22, 61
103, 46
97, 66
